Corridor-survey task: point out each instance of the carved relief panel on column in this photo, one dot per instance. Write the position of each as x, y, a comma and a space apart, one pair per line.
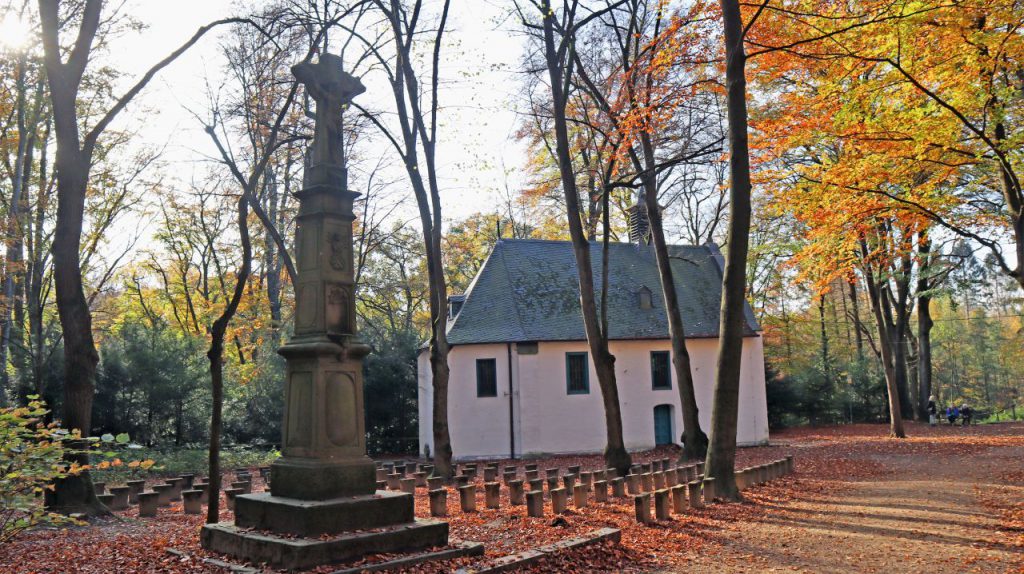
339, 252
340, 417
339, 309
307, 300
308, 244
299, 425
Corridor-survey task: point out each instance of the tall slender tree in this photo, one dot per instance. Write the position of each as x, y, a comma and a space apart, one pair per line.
416, 105
721, 460
74, 161
650, 82
559, 61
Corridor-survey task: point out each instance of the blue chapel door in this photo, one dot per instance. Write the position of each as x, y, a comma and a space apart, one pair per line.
662, 425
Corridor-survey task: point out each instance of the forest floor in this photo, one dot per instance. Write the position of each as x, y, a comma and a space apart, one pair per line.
947, 499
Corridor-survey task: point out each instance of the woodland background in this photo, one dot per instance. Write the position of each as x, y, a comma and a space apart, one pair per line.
861, 177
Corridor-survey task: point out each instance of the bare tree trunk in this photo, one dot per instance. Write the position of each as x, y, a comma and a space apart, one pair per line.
216, 358
826, 360
901, 326
559, 72
37, 274
218, 331
73, 164
272, 259
924, 327
721, 460
695, 442
875, 295
75, 493
855, 312
419, 128
12, 263
693, 438
1014, 197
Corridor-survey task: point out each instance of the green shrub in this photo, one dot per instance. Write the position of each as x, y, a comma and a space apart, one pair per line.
31, 459
174, 462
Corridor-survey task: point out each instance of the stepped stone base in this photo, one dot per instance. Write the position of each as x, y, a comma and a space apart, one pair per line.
264, 511
295, 477
296, 553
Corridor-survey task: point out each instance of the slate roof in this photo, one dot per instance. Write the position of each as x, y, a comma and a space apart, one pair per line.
528, 290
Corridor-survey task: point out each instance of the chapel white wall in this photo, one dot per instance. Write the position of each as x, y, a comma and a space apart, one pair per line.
549, 421
479, 426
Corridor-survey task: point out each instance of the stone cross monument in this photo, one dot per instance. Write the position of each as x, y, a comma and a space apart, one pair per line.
323, 488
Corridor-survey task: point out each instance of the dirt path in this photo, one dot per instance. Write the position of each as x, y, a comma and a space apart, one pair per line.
922, 515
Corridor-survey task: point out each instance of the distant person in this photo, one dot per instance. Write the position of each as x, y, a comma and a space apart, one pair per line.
932, 411
967, 414
952, 413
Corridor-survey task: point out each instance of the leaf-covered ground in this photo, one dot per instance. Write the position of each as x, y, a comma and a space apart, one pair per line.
944, 500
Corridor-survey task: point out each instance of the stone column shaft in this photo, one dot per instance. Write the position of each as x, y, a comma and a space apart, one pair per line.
324, 444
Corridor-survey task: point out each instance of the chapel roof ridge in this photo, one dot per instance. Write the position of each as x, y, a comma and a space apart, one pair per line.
596, 242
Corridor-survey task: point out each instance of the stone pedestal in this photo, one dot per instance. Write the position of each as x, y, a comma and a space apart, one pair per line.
693, 494
193, 501
120, 501
679, 498
579, 496
467, 498
148, 501
633, 484
535, 504
492, 495
164, 494
438, 502
618, 489
642, 508
661, 504
709, 490
516, 494
136, 487
323, 505
231, 495
552, 483
559, 500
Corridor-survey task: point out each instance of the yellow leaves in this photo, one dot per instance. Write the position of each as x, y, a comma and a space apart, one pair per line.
143, 464
107, 464
850, 140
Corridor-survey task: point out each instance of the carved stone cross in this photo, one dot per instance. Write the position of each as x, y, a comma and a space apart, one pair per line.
332, 89
323, 484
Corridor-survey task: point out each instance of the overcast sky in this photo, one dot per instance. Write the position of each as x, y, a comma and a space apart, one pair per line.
479, 73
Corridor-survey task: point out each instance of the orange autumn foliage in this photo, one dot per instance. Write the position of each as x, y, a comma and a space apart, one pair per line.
876, 112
